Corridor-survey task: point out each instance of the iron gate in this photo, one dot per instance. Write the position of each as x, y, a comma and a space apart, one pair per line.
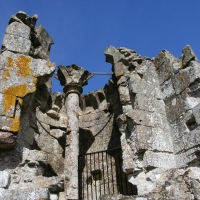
101, 173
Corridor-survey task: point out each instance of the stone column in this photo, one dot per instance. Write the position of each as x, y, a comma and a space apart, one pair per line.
72, 78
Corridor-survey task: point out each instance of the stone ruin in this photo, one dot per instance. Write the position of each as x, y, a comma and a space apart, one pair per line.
136, 138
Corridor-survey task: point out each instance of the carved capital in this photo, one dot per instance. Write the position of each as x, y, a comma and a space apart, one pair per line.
73, 78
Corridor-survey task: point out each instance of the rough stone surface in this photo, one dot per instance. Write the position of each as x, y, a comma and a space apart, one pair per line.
7, 140
137, 138
4, 179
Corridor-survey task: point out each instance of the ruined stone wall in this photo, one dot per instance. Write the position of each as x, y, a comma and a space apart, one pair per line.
159, 121
25, 71
149, 109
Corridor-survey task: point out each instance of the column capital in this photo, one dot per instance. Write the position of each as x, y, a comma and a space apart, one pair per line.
73, 78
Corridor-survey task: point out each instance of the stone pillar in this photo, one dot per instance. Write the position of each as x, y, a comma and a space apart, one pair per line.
72, 78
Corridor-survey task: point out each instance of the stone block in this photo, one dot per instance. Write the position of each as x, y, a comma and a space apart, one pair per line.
16, 44
174, 109
144, 185
124, 94
161, 139
148, 102
45, 40
7, 140
50, 144
57, 133
27, 193
4, 179
146, 118
159, 159
144, 137
19, 30
9, 124
34, 155
41, 67
196, 113
44, 118
120, 69
186, 76
113, 55
134, 83
188, 55
167, 89
165, 64
192, 138
8, 105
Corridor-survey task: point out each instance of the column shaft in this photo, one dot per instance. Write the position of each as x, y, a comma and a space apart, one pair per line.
72, 146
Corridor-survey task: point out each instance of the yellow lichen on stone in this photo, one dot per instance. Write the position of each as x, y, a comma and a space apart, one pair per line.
181, 77
18, 90
22, 64
49, 64
6, 75
9, 102
10, 62
20, 100
15, 124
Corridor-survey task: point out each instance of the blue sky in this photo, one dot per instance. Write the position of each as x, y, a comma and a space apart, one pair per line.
82, 29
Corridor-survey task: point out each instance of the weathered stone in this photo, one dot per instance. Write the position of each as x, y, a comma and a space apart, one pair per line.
54, 122
188, 55
165, 64
4, 179
18, 30
31, 155
7, 140
186, 76
16, 44
148, 113
24, 194
118, 197
57, 133
54, 196
50, 145
167, 89
113, 55
120, 69
159, 159
10, 124
43, 50
73, 74
196, 113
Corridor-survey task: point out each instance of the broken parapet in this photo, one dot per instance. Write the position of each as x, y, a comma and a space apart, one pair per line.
23, 61
159, 123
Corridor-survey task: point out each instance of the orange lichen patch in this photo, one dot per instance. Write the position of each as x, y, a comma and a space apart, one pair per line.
49, 64
22, 63
181, 77
10, 62
6, 75
9, 102
18, 90
35, 81
20, 100
119, 73
15, 124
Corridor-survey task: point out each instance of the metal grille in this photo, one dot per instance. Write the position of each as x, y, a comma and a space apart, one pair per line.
101, 173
